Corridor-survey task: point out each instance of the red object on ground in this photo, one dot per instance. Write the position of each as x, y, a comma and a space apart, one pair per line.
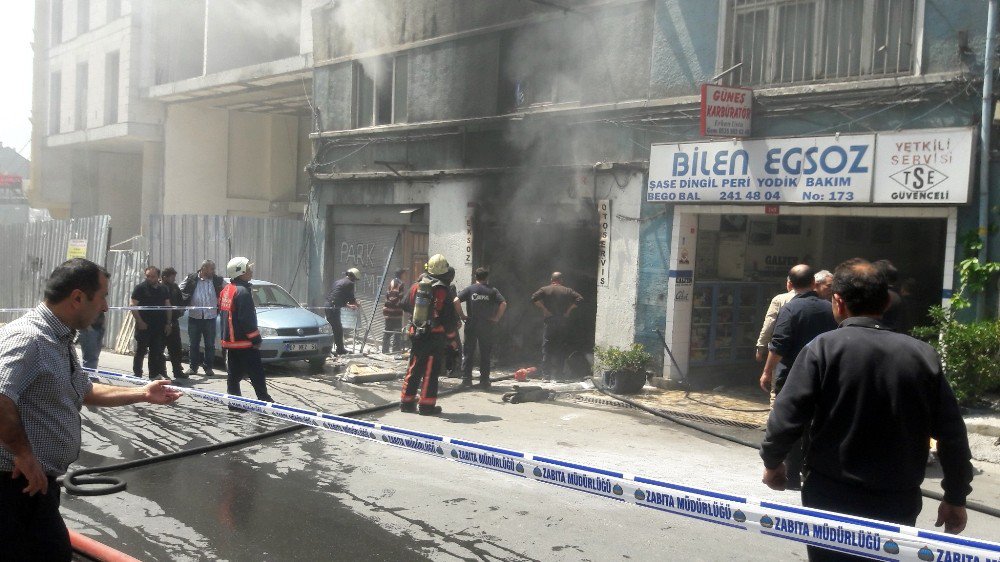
521, 375
89, 547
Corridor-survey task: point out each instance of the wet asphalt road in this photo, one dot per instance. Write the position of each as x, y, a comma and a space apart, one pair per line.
313, 495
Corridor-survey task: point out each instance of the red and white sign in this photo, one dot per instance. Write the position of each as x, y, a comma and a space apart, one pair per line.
725, 111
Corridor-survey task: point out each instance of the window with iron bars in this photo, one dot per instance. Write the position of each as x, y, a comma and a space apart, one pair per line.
793, 41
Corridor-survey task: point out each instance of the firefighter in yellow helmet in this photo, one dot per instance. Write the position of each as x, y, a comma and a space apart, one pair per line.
433, 325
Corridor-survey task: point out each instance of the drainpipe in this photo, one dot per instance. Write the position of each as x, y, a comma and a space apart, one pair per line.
984, 139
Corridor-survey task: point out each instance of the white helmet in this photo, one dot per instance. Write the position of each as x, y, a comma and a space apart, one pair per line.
238, 266
355, 273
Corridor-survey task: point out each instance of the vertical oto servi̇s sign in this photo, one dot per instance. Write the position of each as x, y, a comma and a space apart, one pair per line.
725, 111
836, 169
604, 232
926, 166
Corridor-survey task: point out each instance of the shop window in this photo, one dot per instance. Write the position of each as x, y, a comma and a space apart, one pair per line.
790, 41
80, 113
82, 16
55, 102
57, 21
111, 78
380, 91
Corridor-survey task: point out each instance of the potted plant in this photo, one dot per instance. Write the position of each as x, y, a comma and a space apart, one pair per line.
624, 369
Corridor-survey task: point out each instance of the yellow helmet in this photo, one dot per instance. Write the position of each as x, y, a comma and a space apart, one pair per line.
437, 265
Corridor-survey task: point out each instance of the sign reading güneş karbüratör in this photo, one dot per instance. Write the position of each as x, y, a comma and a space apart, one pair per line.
836, 169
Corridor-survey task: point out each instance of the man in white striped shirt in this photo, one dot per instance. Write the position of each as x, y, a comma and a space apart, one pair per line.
202, 289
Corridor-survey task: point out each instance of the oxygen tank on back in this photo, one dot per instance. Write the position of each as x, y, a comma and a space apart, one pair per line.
422, 303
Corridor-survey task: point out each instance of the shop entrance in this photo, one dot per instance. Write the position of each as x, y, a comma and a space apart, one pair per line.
741, 261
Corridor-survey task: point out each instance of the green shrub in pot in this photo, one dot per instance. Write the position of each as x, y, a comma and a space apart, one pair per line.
624, 369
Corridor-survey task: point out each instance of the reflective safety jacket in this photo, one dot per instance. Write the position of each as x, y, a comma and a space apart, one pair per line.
239, 316
444, 319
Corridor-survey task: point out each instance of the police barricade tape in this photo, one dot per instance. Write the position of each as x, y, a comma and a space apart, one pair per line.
128, 308
846, 534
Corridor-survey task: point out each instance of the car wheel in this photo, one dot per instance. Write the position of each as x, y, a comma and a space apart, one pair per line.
316, 364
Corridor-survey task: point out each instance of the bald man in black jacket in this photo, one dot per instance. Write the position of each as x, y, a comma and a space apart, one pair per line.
871, 399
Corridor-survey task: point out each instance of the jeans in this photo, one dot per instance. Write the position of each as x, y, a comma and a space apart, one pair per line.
823, 492
173, 344
198, 330
90, 343
333, 317
483, 336
151, 340
30, 526
242, 363
396, 339
555, 346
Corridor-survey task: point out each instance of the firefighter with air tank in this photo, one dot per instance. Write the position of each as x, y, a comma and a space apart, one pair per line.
433, 328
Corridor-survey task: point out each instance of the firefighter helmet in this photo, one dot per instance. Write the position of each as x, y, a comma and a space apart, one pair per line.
437, 265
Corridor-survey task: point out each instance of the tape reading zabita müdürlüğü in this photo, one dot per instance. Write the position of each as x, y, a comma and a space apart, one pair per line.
834, 531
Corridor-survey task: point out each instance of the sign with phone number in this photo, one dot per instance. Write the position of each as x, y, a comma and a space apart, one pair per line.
842, 169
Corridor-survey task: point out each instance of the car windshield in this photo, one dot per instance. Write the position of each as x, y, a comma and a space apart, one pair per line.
272, 295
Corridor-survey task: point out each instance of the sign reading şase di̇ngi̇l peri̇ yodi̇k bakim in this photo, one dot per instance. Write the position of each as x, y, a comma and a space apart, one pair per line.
932, 166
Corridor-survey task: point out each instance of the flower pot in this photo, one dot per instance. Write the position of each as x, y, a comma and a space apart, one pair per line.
624, 382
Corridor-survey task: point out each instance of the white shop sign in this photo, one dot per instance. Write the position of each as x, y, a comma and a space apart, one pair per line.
834, 169
931, 166
928, 166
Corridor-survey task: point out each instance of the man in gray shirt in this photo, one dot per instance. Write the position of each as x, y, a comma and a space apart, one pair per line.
42, 388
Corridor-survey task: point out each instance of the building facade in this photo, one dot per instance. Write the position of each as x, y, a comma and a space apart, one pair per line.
144, 107
525, 136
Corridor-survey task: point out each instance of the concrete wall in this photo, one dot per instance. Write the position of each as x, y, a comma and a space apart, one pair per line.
616, 302
449, 204
230, 162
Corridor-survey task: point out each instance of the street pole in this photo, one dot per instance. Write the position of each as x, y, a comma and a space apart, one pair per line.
985, 123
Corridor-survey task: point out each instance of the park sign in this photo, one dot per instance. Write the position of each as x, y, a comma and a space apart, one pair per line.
725, 111
911, 167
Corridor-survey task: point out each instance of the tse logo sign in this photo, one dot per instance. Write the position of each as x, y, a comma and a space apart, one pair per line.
919, 178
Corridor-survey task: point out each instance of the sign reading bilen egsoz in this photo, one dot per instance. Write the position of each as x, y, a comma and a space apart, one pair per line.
725, 111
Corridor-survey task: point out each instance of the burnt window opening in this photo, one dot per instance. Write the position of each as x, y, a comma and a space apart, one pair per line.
82, 16
538, 66
790, 41
80, 113
111, 79
380, 91
55, 102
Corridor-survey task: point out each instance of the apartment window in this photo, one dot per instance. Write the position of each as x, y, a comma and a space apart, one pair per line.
55, 102
82, 16
787, 41
380, 90
536, 69
57, 21
111, 78
114, 9
80, 112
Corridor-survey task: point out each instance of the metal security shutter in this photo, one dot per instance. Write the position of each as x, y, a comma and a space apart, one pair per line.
365, 247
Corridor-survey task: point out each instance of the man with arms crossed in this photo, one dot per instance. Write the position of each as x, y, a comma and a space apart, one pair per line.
42, 388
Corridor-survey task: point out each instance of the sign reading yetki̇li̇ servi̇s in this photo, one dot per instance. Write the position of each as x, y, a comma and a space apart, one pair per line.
925, 166
834, 169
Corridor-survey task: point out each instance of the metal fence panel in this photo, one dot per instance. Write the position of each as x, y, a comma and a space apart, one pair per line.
278, 247
31, 251
125, 267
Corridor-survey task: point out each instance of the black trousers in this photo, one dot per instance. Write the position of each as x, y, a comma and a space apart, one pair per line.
426, 361
173, 343
555, 346
151, 340
30, 526
392, 325
333, 317
481, 336
242, 363
822, 492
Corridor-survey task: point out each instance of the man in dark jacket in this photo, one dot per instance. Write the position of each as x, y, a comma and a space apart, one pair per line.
173, 343
485, 307
201, 289
556, 301
799, 321
152, 323
240, 336
341, 296
871, 400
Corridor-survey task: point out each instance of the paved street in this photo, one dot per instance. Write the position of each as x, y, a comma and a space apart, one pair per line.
315, 495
